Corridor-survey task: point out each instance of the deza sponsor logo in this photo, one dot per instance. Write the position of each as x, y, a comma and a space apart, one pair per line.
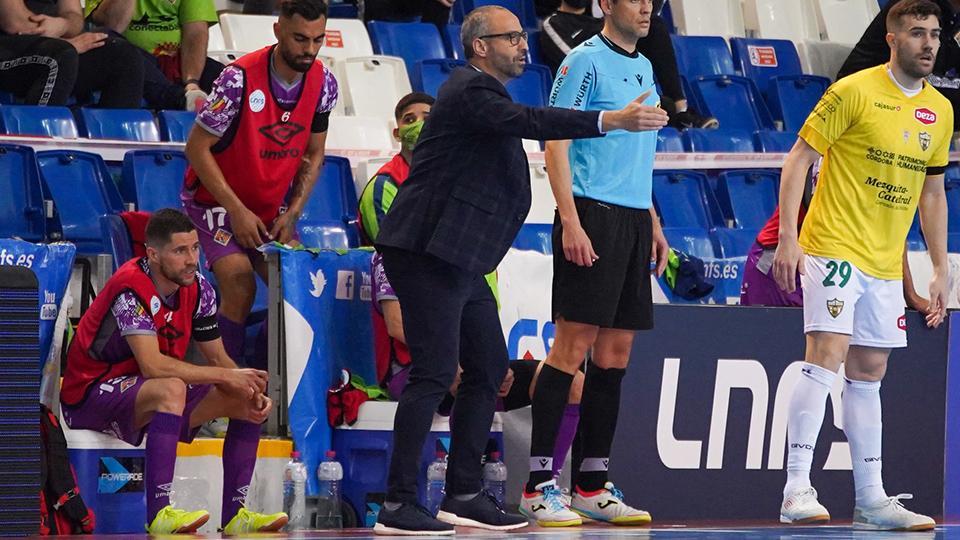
925, 116
738, 374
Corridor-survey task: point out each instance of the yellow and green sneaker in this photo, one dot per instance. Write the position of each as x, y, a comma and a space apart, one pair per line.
250, 522
172, 520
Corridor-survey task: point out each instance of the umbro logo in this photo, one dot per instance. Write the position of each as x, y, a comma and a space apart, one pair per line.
609, 502
281, 133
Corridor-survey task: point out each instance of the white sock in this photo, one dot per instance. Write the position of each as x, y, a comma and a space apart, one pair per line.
863, 425
803, 423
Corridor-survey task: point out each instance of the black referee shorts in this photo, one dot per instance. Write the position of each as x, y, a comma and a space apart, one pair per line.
615, 291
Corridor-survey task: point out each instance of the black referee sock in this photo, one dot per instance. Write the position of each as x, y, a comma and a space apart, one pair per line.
548, 403
599, 407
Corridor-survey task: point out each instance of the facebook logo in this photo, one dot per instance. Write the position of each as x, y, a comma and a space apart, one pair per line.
345, 284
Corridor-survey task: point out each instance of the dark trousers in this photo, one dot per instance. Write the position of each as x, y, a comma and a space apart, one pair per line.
658, 48
162, 93
46, 71
429, 11
41, 70
449, 316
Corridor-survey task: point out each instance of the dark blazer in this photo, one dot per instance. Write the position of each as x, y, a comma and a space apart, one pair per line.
468, 191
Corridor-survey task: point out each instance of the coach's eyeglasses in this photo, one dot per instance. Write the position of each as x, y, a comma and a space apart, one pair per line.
513, 37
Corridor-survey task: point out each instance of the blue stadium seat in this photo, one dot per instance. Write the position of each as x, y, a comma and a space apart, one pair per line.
124, 124
82, 191
428, 75
533, 48
734, 101
953, 242
21, 206
175, 125
792, 98
734, 242
535, 237
116, 238
533, 87
915, 241
953, 206
451, 38
702, 56
761, 59
44, 121
411, 41
332, 206
717, 140
768, 140
774, 65
684, 199
152, 178
523, 9
669, 140
691, 240
748, 197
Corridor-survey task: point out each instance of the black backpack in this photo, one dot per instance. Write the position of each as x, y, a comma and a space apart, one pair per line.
61, 509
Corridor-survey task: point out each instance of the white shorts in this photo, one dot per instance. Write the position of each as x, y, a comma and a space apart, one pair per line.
839, 298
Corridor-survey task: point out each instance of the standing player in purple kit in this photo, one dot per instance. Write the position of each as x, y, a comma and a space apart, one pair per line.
126, 376
254, 156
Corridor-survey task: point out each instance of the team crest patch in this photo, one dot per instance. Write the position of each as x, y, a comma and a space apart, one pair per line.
925, 140
834, 307
222, 237
126, 384
154, 305
257, 101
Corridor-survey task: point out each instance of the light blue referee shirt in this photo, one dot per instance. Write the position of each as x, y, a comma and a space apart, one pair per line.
616, 168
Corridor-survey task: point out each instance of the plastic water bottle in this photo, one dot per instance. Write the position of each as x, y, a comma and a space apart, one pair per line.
436, 482
330, 473
294, 492
495, 477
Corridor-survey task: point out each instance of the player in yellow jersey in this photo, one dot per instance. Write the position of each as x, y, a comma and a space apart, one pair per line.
884, 135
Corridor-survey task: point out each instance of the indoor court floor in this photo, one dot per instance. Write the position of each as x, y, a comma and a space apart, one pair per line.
658, 532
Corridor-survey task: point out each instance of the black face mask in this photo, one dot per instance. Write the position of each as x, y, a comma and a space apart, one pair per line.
578, 4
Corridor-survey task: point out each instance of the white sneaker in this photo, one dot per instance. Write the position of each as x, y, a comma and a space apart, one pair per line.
802, 507
607, 505
890, 515
547, 508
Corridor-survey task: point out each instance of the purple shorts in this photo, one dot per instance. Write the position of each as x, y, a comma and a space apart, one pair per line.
216, 235
110, 409
759, 288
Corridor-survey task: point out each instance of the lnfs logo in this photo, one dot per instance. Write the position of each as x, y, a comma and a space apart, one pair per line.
748, 375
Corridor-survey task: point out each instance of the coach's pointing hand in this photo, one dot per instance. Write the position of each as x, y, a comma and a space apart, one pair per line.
636, 117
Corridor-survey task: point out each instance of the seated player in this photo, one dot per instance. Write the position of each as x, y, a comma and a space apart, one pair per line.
126, 376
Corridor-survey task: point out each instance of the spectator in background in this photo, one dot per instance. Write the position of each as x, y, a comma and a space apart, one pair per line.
430, 11
872, 50
46, 56
545, 7
172, 38
573, 23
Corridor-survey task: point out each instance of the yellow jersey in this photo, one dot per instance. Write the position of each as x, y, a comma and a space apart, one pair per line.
877, 145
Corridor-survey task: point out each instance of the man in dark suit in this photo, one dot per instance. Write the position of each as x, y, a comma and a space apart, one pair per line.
453, 220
